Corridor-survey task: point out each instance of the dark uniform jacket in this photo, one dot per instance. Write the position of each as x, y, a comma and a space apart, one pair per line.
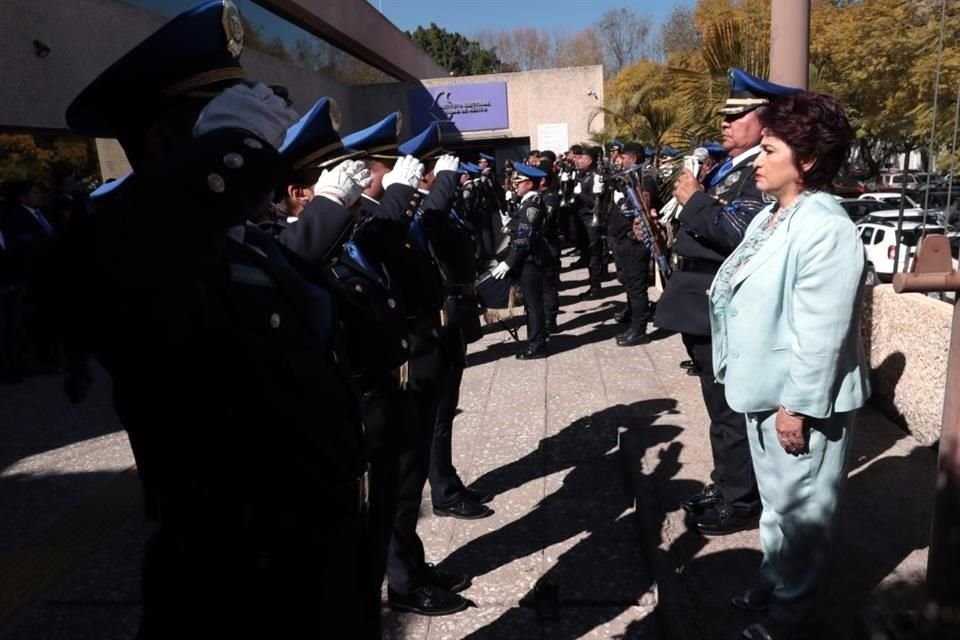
526, 233
221, 356
586, 199
711, 225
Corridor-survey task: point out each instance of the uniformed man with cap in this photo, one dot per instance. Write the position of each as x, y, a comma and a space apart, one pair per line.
452, 245
247, 441
711, 224
631, 255
529, 257
588, 197
614, 149
413, 585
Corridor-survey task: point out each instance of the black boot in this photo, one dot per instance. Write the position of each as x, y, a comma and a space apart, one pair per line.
633, 337
624, 315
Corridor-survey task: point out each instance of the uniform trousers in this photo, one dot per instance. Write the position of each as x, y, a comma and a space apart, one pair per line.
445, 483
406, 568
732, 468
533, 279
799, 495
633, 261
595, 257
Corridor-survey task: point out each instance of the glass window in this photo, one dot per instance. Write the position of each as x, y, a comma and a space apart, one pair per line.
268, 33
867, 235
879, 237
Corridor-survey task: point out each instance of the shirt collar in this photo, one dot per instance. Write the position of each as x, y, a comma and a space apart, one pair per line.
746, 155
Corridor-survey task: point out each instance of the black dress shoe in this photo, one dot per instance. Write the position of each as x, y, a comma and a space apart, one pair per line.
428, 600
700, 502
532, 354
477, 496
465, 509
593, 293
632, 338
723, 519
449, 580
687, 364
623, 316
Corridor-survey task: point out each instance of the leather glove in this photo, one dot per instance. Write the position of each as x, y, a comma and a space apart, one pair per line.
578, 188
500, 270
446, 162
256, 109
342, 184
597, 184
408, 170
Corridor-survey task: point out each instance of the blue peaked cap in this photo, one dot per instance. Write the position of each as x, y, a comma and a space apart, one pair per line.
528, 171
313, 141
748, 92
425, 144
715, 149
377, 140
471, 168
196, 53
670, 151
108, 187
487, 157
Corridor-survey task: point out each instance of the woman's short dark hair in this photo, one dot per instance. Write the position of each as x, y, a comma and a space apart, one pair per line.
815, 127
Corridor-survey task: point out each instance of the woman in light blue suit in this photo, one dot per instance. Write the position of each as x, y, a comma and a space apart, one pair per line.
785, 315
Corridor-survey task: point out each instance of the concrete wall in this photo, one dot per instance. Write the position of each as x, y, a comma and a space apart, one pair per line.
549, 96
908, 340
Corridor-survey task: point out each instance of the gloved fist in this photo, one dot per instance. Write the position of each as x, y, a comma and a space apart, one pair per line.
597, 184
500, 270
564, 176
504, 218
578, 188
446, 162
408, 170
256, 109
617, 197
343, 183
509, 196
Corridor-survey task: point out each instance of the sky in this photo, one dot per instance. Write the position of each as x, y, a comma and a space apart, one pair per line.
469, 16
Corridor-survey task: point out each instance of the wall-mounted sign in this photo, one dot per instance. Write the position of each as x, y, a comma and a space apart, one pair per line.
553, 137
468, 107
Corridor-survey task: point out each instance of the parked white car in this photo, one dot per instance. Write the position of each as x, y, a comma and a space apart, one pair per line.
879, 240
890, 197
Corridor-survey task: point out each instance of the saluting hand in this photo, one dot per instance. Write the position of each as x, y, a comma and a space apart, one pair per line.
254, 108
686, 186
790, 432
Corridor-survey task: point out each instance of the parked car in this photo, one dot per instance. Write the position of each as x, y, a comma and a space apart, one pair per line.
931, 216
857, 208
892, 199
880, 242
894, 181
846, 186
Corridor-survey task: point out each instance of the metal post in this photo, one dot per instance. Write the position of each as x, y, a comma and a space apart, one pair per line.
790, 42
931, 159
903, 195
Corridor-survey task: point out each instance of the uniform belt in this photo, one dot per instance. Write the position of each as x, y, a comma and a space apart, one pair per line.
693, 265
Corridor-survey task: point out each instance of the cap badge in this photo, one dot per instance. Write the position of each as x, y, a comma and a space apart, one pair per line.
334, 116
232, 28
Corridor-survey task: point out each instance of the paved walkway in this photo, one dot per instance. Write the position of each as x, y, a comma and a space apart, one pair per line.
588, 451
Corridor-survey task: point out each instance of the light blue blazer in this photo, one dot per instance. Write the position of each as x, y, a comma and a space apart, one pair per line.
790, 334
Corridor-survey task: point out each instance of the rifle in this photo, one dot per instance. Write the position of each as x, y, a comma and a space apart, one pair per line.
653, 236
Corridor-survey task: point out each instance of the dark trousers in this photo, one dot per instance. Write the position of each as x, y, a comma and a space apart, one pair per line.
11, 330
732, 467
580, 236
531, 284
551, 288
405, 558
596, 260
445, 482
633, 260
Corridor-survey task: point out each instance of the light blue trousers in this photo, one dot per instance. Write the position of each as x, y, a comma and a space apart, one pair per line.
799, 496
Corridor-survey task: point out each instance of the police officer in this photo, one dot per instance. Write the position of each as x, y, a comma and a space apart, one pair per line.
551, 239
588, 198
452, 245
247, 441
711, 224
529, 258
413, 585
631, 255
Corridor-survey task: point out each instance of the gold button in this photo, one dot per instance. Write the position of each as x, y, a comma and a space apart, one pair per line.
358, 288
274, 320
253, 143
216, 183
391, 303
233, 160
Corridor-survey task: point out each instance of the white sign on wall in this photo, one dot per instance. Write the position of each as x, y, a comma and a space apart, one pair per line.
553, 137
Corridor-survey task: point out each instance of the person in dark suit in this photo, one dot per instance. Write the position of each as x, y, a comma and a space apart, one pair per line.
711, 225
247, 440
588, 192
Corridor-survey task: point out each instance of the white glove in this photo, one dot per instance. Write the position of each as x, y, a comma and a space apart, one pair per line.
509, 196
408, 170
344, 183
256, 109
499, 271
617, 197
446, 162
577, 189
564, 176
597, 184
504, 218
